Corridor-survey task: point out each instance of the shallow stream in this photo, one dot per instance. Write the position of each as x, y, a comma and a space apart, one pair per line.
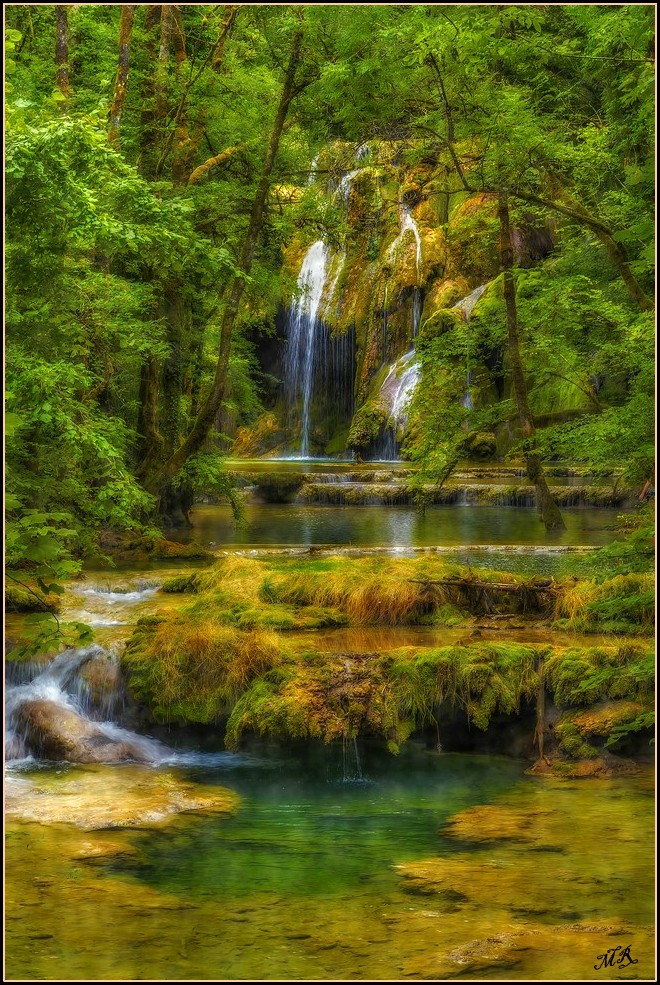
328, 862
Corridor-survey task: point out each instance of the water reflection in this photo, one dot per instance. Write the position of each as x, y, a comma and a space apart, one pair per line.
398, 526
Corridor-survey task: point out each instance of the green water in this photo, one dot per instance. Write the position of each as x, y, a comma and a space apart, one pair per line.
398, 527
334, 864
302, 881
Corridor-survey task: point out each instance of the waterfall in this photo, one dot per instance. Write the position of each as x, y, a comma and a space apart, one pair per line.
64, 701
396, 393
408, 225
466, 307
303, 324
467, 304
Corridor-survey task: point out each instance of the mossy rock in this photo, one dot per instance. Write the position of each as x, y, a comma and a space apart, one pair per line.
367, 424
481, 445
439, 323
21, 600
179, 585
162, 549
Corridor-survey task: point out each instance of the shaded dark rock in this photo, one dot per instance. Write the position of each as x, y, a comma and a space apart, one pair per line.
58, 733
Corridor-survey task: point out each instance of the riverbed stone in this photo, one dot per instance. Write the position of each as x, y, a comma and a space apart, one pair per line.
55, 732
97, 797
500, 822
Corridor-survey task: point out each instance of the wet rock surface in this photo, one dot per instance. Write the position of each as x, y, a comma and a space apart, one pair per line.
95, 798
54, 732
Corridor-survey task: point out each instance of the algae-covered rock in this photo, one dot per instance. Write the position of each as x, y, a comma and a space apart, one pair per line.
499, 822
19, 599
481, 445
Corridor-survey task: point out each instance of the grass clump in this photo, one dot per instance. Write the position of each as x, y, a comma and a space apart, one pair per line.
195, 671
624, 603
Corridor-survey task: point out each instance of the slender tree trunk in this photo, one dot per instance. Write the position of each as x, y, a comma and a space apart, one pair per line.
548, 509
62, 50
148, 116
147, 425
183, 151
614, 250
162, 64
231, 12
219, 387
123, 64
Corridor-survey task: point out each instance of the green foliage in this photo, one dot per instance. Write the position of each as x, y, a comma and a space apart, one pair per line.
585, 676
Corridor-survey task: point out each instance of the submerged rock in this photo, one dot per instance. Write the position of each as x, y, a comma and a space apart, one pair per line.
96, 797
499, 822
55, 732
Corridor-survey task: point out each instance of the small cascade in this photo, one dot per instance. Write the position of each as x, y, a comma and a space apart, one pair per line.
467, 304
396, 393
466, 307
351, 765
416, 312
312, 171
54, 706
408, 225
336, 268
466, 399
344, 187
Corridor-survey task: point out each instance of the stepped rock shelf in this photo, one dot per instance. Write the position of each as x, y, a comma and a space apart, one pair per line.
393, 484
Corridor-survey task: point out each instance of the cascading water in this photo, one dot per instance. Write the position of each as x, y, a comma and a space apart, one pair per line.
466, 307
408, 225
303, 324
467, 304
62, 697
396, 393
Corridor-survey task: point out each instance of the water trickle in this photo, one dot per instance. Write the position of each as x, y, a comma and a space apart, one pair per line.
466, 307
408, 225
351, 765
396, 393
466, 399
344, 188
312, 170
467, 304
416, 311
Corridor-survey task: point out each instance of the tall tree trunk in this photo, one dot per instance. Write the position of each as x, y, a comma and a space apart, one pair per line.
123, 64
162, 64
62, 50
548, 509
230, 14
147, 424
219, 387
148, 115
183, 150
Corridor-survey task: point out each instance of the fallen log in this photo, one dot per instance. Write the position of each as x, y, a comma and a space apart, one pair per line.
487, 585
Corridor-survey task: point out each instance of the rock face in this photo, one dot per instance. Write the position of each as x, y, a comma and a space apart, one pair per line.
55, 732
